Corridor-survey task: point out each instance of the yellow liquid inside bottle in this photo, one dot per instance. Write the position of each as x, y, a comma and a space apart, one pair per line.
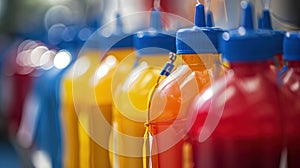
130, 111
87, 97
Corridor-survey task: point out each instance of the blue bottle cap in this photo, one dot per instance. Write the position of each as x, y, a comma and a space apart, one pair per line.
265, 23
154, 41
278, 40
198, 39
246, 44
291, 46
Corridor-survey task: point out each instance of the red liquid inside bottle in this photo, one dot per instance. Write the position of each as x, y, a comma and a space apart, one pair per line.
248, 131
291, 80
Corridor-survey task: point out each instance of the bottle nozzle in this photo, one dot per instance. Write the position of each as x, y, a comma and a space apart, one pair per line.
155, 21
247, 18
266, 20
200, 16
209, 19
119, 23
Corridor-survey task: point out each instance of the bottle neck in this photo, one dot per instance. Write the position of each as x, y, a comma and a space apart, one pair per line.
295, 65
250, 68
200, 62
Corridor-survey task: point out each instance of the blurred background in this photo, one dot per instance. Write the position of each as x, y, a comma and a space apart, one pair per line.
44, 22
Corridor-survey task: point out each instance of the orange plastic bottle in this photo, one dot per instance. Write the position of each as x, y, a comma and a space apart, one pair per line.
197, 46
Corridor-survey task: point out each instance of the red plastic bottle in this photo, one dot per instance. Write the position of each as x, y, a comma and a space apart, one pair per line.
237, 122
19, 70
291, 80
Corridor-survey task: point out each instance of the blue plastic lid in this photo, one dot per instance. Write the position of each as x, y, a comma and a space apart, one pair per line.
246, 44
278, 40
154, 41
265, 23
291, 46
198, 39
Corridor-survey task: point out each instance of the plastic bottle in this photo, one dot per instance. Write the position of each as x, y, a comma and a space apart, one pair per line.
40, 127
49, 120
20, 70
80, 107
237, 122
196, 46
291, 80
130, 100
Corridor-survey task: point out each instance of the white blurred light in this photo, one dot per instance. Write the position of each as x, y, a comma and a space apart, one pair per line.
111, 60
36, 54
102, 70
41, 159
295, 86
108, 63
23, 58
25, 43
207, 94
81, 66
242, 31
46, 60
62, 59
58, 14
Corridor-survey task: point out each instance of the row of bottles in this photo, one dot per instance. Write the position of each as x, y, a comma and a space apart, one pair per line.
244, 119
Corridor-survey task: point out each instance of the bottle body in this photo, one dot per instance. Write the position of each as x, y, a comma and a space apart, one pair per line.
130, 111
72, 129
19, 75
291, 80
88, 94
238, 120
170, 103
103, 93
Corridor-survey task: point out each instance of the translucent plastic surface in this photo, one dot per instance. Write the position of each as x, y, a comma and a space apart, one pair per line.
130, 110
170, 103
291, 80
88, 96
239, 120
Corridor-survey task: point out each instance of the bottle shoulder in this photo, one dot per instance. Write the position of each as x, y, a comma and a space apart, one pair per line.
234, 101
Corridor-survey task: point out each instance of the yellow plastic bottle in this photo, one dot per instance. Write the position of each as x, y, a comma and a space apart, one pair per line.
197, 46
86, 106
70, 123
130, 101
